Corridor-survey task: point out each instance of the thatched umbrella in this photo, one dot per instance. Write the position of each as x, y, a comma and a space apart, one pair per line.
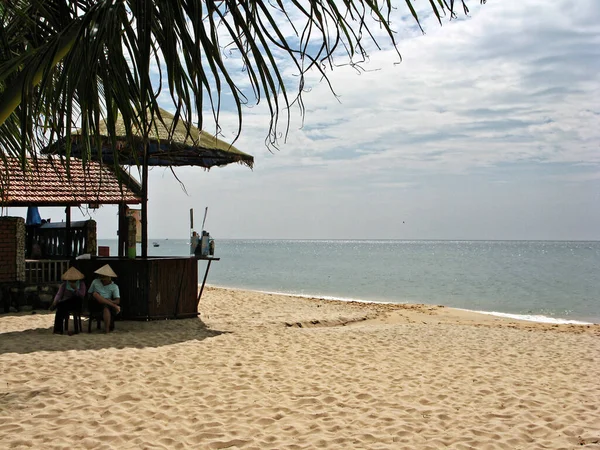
167, 145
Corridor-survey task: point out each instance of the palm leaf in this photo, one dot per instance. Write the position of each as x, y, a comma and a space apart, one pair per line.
80, 63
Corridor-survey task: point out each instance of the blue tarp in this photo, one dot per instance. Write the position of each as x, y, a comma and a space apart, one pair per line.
33, 216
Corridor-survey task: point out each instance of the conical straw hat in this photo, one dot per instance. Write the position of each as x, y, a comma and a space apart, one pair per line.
106, 271
72, 275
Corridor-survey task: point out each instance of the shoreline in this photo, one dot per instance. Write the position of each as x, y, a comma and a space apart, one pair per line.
533, 318
366, 313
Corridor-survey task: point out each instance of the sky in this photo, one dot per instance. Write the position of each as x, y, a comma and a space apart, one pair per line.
489, 128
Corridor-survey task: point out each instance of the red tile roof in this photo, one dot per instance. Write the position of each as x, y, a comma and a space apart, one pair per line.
46, 184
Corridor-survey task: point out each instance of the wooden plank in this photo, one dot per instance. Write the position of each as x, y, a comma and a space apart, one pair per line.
151, 288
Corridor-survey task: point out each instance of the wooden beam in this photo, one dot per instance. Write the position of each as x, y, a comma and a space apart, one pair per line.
145, 203
68, 243
122, 231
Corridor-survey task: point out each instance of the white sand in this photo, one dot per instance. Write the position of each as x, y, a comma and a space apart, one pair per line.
268, 372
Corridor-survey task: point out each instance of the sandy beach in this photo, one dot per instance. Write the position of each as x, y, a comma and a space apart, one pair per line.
262, 371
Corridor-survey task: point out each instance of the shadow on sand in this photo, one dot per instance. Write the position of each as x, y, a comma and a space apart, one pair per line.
127, 334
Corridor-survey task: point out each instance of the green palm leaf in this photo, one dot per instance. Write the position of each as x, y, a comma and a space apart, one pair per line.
76, 64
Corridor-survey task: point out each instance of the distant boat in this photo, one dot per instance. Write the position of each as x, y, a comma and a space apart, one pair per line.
156, 244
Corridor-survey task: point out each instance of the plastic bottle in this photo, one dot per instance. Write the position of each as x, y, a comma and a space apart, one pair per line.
204, 243
194, 243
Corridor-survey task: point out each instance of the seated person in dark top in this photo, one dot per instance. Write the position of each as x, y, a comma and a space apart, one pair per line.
106, 294
68, 298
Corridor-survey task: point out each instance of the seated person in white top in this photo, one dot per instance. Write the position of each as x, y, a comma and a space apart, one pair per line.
106, 293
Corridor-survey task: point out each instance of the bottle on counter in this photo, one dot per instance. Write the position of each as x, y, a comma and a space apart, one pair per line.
204, 243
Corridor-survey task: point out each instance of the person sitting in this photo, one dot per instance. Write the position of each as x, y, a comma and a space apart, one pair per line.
107, 296
68, 298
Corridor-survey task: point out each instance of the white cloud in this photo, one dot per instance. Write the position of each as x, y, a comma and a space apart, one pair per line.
489, 128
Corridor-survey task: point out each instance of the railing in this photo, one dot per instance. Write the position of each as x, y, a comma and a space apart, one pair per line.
45, 271
52, 240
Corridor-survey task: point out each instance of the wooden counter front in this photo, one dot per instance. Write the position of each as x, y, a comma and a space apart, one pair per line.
151, 288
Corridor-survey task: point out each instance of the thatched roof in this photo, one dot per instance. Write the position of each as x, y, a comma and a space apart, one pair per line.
168, 146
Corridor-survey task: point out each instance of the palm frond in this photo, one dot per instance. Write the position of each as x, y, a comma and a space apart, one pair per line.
76, 64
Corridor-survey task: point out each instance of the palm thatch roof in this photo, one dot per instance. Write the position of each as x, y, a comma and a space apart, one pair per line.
169, 145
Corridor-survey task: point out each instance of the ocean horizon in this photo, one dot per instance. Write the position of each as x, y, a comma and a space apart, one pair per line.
537, 280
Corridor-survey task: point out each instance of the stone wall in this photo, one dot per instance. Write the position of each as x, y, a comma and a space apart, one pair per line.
91, 242
12, 249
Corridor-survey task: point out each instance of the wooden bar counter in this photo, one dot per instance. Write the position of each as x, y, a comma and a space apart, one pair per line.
151, 288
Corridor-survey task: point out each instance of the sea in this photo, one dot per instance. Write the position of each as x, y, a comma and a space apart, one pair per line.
542, 281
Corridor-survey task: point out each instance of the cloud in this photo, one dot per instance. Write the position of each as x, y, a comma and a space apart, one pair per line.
518, 81
515, 81
488, 128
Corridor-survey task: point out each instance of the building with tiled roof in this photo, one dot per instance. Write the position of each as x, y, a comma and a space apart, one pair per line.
46, 182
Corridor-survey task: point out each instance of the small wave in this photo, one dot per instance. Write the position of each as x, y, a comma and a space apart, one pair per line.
526, 317
532, 318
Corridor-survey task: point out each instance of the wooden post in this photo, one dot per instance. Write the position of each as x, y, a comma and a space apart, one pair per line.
68, 242
131, 237
210, 259
122, 231
145, 203
91, 243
